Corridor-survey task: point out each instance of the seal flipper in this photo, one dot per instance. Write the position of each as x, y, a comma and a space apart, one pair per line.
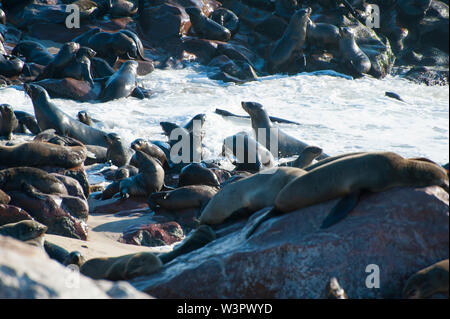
272, 213
342, 209
137, 93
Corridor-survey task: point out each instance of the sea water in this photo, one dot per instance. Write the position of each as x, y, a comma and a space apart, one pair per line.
336, 113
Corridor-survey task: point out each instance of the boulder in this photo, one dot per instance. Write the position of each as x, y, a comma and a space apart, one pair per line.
27, 273
400, 231
153, 235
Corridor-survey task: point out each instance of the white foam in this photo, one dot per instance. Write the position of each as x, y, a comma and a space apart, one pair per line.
337, 114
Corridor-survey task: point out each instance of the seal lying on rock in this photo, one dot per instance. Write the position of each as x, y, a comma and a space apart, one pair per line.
351, 176
305, 158
121, 268
42, 154
205, 27
24, 230
122, 83
33, 52
252, 193
428, 281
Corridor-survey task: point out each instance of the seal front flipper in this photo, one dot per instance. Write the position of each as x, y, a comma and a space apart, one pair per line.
272, 213
342, 209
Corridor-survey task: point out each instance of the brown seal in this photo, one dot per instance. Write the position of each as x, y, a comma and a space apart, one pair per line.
42, 154
122, 267
352, 56
192, 196
305, 158
205, 27
117, 152
8, 121
197, 174
428, 281
252, 193
150, 149
348, 177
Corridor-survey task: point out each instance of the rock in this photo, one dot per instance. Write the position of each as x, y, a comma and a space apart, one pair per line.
71, 89
401, 230
428, 75
27, 273
63, 215
153, 235
12, 214
115, 205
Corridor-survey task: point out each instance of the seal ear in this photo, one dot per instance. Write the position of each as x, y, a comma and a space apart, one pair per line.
342, 209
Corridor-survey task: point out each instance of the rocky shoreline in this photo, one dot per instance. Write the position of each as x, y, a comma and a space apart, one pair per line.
152, 227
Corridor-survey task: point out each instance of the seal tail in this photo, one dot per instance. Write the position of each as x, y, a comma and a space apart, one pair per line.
272, 213
342, 209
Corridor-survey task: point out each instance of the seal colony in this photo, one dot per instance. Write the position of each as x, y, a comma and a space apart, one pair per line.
43, 183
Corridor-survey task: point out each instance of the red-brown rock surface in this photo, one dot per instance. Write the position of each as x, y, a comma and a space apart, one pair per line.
153, 235
402, 231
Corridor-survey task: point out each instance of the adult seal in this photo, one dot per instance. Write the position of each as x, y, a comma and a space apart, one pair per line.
205, 27
122, 83
352, 56
117, 152
322, 34
65, 55
122, 267
26, 121
49, 116
112, 45
42, 154
226, 18
24, 230
349, 177
152, 150
250, 194
428, 281
33, 52
287, 145
8, 121
292, 40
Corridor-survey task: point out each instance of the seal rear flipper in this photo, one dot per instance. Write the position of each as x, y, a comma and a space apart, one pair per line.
342, 209
137, 93
272, 213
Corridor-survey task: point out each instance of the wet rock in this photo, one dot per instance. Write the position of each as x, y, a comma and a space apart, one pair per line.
63, 215
428, 75
27, 273
72, 89
11, 214
400, 230
153, 235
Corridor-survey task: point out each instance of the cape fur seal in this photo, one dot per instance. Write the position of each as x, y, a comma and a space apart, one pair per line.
287, 145
117, 152
122, 267
348, 177
26, 121
428, 281
8, 121
49, 116
33, 52
352, 56
251, 193
205, 27
24, 230
305, 158
42, 154
150, 149
292, 40
120, 84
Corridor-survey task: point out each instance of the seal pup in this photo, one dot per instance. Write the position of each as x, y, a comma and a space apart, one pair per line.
192, 196
428, 281
202, 236
29, 231
305, 158
292, 40
123, 267
205, 27
287, 145
62, 256
8, 121
333, 290
352, 56
349, 177
33, 52
138, 42
65, 55
149, 180
197, 174
150, 149
117, 152
85, 118
26, 121
49, 116
251, 193
120, 84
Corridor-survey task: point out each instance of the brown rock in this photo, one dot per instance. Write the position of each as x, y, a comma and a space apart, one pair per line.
12, 214
72, 89
153, 235
400, 230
